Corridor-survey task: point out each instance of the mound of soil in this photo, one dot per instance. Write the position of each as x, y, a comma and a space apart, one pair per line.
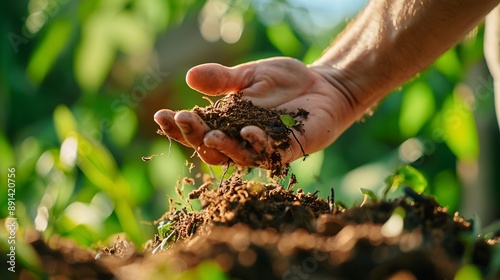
253, 230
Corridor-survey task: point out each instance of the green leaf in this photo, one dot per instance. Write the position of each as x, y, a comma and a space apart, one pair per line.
125, 213
468, 272
412, 177
449, 64
129, 34
165, 170
306, 171
7, 153
125, 125
64, 121
287, 120
208, 270
95, 54
446, 189
459, 127
417, 107
98, 165
283, 38
86, 9
164, 228
49, 49
313, 53
135, 173
179, 9
155, 13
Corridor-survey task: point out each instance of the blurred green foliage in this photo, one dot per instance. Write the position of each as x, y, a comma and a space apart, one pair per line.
81, 80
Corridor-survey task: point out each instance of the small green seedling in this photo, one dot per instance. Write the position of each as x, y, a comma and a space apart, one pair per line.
339, 207
164, 228
368, 194
166, 233
405, 175
290, 122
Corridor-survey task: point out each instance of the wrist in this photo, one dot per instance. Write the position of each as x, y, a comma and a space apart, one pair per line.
391, 41
363, 59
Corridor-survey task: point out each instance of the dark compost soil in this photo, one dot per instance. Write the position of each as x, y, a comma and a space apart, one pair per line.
232, 113
257, 230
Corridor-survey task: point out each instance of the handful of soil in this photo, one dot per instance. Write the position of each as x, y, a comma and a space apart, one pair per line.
232, 113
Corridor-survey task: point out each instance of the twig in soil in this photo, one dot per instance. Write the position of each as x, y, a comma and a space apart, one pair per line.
331, 201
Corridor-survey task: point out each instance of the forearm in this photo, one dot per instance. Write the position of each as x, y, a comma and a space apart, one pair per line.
390, 41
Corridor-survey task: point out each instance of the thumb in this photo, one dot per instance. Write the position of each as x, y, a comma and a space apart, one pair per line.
215, 79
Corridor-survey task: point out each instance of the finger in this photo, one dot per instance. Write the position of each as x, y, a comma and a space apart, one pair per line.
193, 129
238, 151
165, 119
258, 139
211, 156
265, 147
215, 79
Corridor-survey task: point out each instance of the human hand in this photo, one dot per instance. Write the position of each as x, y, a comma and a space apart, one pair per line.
279, 83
